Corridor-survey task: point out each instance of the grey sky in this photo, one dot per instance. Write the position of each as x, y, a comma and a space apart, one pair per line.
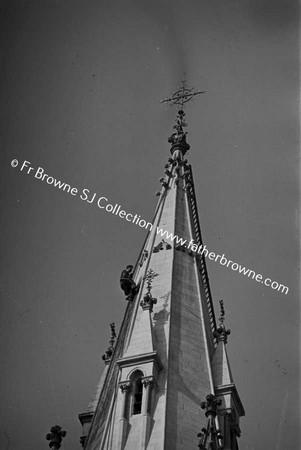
80, 90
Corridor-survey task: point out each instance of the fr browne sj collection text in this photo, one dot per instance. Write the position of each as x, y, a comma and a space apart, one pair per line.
104, 204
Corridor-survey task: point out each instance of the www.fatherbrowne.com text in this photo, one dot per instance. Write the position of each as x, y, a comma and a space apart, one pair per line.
103, 203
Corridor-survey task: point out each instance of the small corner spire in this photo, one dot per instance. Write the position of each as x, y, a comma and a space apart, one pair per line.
109, 352
179, 98
55, 437
221, 333
210, 437
148, 300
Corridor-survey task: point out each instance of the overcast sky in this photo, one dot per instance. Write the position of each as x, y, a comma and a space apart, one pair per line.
80, 87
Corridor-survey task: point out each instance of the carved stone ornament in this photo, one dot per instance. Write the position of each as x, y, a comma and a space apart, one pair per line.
211, 405
148, 301
125, 386
149, 381
163, 245
180, 97
164, 182
82, 440
149, 277
187, 185
55, 436
221, 334
143, 258
109, 352
181, 248
210, 437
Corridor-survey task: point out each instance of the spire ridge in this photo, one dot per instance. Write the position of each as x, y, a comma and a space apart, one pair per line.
107, 355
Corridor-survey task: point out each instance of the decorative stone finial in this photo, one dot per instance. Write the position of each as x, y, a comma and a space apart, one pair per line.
143, 258
125, 386
55, 437
162, 245
148, 300
82, 440
221, 333
211, 405
148, 381
178, 138
109, 352
150, 275
210, 437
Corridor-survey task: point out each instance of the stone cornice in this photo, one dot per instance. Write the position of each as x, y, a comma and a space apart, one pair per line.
230, 389
85, 417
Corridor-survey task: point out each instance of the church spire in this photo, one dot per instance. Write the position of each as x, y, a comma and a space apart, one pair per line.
162, 366
230, 407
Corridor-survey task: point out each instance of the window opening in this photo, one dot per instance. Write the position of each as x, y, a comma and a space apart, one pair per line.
137, 392
137, 397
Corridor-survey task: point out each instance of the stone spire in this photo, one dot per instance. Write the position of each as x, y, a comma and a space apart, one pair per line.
230, 407
161, 368
86, 417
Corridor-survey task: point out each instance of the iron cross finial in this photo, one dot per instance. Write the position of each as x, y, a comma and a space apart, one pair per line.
182, 96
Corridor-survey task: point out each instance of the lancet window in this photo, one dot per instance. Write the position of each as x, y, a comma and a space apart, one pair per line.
137, 392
